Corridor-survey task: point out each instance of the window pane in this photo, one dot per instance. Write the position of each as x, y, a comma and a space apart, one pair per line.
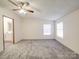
47, 29
60, 29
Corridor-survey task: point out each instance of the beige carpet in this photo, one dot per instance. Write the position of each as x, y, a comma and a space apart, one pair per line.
38, 49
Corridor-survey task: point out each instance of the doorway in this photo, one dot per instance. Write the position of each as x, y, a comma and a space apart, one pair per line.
8, 32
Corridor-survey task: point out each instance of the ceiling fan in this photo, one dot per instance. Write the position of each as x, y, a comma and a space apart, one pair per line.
21, 6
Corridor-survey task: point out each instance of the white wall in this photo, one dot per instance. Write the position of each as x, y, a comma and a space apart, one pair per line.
6, 12
33, 28
71, 31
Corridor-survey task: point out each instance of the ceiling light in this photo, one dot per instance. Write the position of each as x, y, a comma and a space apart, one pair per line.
19, 0
22, 11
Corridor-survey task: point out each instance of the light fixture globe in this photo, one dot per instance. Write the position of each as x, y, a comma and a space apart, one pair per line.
22, 11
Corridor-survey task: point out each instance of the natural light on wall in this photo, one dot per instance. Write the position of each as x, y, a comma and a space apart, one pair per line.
7, 25
59, 29
46, 29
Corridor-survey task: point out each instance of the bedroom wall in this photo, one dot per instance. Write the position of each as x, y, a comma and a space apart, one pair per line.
17, 23
33, 28
71, 31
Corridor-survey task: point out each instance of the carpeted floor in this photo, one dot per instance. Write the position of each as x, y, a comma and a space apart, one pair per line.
38, 49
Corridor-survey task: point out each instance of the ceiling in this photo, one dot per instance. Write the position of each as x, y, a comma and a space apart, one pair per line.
49, 9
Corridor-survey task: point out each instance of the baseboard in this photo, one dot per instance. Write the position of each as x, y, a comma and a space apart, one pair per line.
37, 39
32, 40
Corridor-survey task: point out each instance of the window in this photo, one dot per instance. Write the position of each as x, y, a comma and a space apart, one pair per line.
60, 29
47, 29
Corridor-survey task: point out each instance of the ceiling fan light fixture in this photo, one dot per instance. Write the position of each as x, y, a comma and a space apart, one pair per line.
22, 11
23, 7
19, 0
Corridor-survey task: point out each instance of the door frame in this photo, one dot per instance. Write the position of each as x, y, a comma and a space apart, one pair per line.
3, 31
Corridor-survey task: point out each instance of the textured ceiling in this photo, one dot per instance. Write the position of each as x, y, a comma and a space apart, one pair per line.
49, 9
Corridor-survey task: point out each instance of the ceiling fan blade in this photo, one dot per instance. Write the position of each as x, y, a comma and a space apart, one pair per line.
15, 9
30, 11
21, 3
27, 3
35, 8
12, 2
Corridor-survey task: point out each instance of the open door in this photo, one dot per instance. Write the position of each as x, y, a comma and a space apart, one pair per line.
8, 33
